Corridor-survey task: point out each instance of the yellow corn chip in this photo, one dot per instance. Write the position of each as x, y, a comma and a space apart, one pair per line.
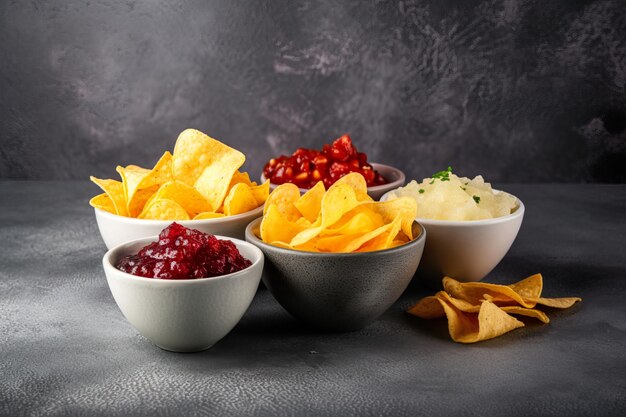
208, 215
564, 302
194, 152
239, 200
164, 210
103, 202
141, 183
260, 192
490, 322
188, 197
115, 191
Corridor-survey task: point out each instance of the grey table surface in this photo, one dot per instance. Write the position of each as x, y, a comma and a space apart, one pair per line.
65, 348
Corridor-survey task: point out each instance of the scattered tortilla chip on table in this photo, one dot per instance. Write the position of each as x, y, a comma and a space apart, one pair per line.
479, 311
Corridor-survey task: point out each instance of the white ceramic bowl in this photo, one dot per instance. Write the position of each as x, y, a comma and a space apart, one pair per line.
183, 315
118, 229
466, 250
395, 177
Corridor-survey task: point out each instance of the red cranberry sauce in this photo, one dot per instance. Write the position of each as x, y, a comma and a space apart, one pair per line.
183, 253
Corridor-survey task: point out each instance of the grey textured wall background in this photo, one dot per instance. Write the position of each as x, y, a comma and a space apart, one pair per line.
516, 90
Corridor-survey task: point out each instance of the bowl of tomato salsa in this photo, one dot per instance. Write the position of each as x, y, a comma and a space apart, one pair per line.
306, 167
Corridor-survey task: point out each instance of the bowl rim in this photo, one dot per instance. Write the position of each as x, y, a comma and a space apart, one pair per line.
135, 220
255, 240
376, 188
108, 265
518, 212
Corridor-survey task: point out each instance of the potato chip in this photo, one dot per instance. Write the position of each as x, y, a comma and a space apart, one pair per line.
389, 210
188, 197
357, 182
103, 202
283, 197
164, 210
310, 204
115, 191
208, 215
194, 152
338, 200
277, 228
359, 222
239, 200
341, 219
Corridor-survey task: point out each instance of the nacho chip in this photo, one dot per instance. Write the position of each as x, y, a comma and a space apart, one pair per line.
490, 322
240, 177
194, 152
528, 312
427, 308
239, 200
188, 197
260, 192
208, 215
115, 191
564, 302
164, 210
141, 183
471, 307
474, 292
103, 202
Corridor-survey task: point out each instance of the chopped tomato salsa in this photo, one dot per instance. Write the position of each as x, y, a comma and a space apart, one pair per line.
305, 167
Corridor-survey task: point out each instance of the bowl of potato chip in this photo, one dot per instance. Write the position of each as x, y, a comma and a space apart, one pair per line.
336, 259
199, 185
470, 226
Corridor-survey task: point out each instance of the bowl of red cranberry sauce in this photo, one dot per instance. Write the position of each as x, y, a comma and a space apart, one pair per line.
184, 290
306, 167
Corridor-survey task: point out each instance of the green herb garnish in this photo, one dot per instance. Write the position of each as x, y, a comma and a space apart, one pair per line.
421, 191
463, 188
442, 175
476, 199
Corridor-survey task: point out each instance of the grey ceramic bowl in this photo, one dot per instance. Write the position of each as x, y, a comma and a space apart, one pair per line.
338, 291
